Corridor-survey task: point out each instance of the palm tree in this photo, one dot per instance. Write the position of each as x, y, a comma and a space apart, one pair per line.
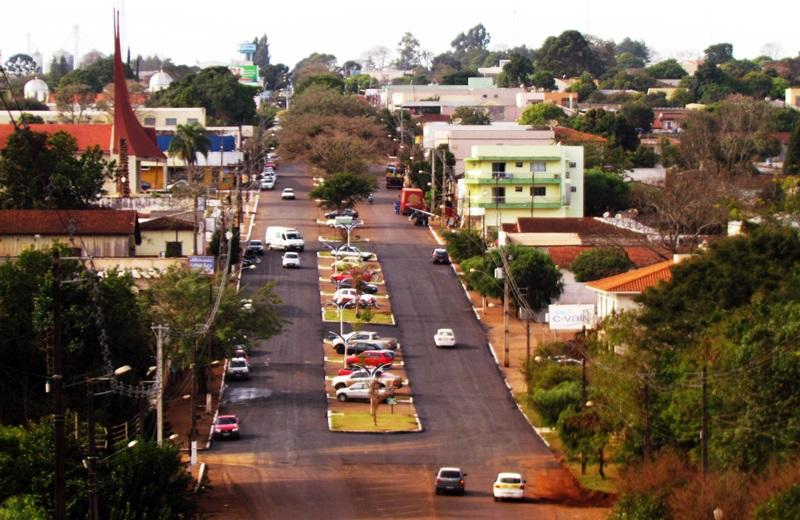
189, 140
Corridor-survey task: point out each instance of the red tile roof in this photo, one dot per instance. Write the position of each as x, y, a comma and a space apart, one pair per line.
584, 227
636, 281
166, 223
86, 135
570, 135
59, 222
641, 256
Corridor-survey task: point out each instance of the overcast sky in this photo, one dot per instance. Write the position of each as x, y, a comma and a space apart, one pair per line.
200, 30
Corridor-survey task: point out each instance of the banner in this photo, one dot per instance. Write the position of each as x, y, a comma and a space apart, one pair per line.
571, 317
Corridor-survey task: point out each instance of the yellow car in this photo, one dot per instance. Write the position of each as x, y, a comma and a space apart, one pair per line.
508, 485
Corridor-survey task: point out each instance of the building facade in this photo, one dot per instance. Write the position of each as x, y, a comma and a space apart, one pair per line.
503, 183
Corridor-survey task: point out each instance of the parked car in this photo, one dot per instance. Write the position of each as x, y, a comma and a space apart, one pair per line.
344, 296
366, 335
348, 251
347, 263
360, 391
508, 485
373, 358
346, 212
226, 427
359, 374
357, 347
369, 288
444, 338
256, 246
290, 259
287, 194
338, 277
248, 260
240, 352
238, 368
366, 301
450, 480
440, 256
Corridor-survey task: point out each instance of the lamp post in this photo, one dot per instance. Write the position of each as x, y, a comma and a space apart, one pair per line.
91, 448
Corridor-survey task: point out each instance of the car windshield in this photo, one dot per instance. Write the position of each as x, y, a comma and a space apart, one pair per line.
293, 236
238, 363
510, 480
450, 474
291, 255
255, 242
226, 420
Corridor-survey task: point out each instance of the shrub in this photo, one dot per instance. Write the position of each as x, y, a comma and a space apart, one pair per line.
783, 505
599, 263
464, 244
605, 191
549, 403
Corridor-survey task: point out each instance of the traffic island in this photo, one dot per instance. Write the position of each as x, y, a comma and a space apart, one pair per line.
362, 422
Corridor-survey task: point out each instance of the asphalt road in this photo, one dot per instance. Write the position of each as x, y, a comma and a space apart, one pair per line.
288, 465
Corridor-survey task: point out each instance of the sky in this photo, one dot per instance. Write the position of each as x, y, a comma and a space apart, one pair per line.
192, 31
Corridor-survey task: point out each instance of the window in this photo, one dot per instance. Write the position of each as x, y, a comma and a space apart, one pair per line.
573, 189
498, 195
171, 121
538, 166
191, 121
538, 191
498, 170
573, 164
518, 189
518, 164
149, 121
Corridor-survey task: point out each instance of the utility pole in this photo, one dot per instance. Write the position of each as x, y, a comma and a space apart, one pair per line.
704, 434
583, 404
433, 181
505, 315
91, 451
160, 331
193, 405
58, 391
646, 419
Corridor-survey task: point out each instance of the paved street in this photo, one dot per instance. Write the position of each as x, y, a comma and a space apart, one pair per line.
287, 464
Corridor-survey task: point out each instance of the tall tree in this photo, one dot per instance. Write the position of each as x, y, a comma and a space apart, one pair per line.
343, 190
261, 56
189, 140
541, 114
470, 116
791, 164
377, 57
276, 77
474, 39
517, 72
667, 69
719, 53
637, 48
72, 101
407, 52
567, 55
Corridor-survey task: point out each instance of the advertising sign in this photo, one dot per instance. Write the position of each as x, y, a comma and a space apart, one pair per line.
571, 317
247, 48
248, 74
202, 263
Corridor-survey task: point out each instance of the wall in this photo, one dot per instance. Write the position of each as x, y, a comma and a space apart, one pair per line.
154, 242
608, 303
91, 245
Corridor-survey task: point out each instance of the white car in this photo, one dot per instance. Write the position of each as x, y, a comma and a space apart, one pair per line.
352, 251
508, 485
238, 368
268, 183
360, 391
444, 338
287, 194
290, 259
360, 376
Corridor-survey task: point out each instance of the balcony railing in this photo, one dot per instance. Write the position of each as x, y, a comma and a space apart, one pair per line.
524, 180
515, 203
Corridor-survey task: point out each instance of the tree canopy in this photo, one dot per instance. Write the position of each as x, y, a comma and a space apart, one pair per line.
541, 114
600, 262
343, 190
470, 116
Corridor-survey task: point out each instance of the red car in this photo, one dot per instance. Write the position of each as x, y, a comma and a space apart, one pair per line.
372, 358
226, 427
338, 277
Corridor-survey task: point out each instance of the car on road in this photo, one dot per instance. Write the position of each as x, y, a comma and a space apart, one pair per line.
508, 485
357, 347
360, 391
287, 194
240, 352
372, 358
238, 368
348, 251
290, 259
338, 277
444, 338
267, 183
369, 288
359, 374
256, 246
249, 260
365, 335
226, 427
346, 212
450, 480
440, 256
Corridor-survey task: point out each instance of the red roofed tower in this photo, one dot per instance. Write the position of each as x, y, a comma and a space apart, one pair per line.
130, 139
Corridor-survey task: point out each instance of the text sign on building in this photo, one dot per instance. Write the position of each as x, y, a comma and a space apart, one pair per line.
571, 317
202, 263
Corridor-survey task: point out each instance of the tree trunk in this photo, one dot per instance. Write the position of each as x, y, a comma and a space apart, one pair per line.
601, 464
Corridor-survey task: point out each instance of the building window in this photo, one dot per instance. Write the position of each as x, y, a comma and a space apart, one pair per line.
498, 170
538, 191
573, 189
149, 121
191, 121
518, 189
518, 164
171, 121
538, 166
498, 195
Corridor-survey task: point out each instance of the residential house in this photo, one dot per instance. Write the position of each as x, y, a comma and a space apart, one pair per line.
504, 183
91, 232
793, 97
166, 236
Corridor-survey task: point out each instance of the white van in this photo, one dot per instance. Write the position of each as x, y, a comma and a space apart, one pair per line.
280, 237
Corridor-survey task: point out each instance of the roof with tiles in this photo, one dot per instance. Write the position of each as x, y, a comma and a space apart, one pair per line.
66, 222
585, 227
641, 256
570, 135
86, 136
636, 281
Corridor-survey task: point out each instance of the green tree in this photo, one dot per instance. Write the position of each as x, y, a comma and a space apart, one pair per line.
470, 116
567, 55
189, 140
261, 56
72, 101
41, 171
605, 191
542, 114
644, 157
785, 504
343, 190
719, 53
314, 63
518, 71
475, 39
408, 50
636, 48
600, 262
227, 102
464, 243
460, 77
626, 60
791, 163
543, 79
327, 80
667, 69
584, 86
275, 76
638, 115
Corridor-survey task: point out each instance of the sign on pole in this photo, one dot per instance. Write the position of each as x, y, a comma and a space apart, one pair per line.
571, 317
202, 263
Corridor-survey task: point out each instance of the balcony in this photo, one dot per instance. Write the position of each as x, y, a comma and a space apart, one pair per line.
505, 203
516, 180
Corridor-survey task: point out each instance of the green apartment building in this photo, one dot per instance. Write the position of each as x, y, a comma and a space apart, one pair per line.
502, 183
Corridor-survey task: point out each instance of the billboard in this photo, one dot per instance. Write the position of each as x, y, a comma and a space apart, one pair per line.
246, 48
571, 317
202, 263
248, 74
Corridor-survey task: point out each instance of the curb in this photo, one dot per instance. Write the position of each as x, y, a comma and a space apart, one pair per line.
200, 476
219, 402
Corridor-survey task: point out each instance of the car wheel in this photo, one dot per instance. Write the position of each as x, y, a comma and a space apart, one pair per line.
342, 397
496, 499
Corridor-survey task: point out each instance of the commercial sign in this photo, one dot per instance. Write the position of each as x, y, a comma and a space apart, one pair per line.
248, 74
202, 263
247, 48
571, 317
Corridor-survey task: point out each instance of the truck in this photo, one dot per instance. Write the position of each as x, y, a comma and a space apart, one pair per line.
411, 198
280, 237
395, 174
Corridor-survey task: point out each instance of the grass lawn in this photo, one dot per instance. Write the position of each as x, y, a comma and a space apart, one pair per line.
592, 480
363, 422
349, 316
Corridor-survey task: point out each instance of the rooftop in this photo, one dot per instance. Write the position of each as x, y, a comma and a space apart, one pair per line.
87, 136
67, 222
636, 281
